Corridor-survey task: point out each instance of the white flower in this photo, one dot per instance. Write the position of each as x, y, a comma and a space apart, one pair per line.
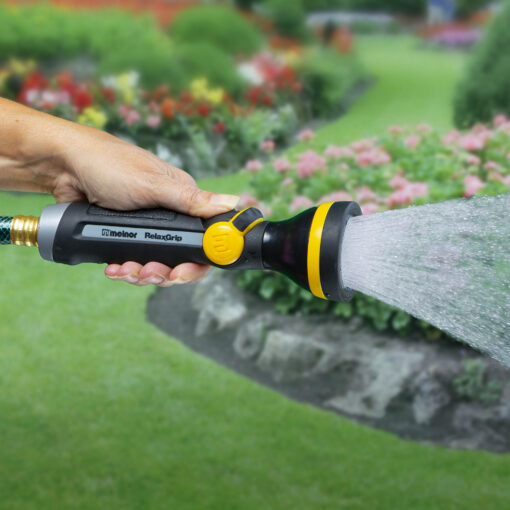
250, 73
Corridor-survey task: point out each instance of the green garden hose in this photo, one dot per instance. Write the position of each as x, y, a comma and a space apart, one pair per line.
5, 229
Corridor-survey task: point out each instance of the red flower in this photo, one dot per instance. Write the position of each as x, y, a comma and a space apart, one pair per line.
219, 127
65, 82
167, 108
35, 80
109, 94
82, 99
203, 110
186, 97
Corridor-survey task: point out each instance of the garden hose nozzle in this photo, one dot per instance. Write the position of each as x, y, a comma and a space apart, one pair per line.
306, 248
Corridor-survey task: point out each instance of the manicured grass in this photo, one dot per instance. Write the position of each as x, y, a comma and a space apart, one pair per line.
412, 86
100, 410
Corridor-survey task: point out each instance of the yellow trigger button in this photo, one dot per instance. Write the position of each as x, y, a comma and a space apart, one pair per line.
223, 243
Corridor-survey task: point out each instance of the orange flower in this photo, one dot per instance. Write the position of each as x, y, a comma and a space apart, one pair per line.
167, 108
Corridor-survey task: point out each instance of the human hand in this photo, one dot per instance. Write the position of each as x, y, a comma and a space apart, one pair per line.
115, 174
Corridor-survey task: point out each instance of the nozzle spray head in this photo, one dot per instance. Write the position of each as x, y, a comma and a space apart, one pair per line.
308, 248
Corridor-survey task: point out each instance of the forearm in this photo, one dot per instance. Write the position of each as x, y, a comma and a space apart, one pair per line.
31, 148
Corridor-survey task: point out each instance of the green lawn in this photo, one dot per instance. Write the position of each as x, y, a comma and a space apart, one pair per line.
99, 410
411, 86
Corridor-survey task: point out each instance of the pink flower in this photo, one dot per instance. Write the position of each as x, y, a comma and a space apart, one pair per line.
132, 117
474, 160
247, 200
337, 196
363, 145
471, 142
267, 146
253, 165
282, 165
344, 167
418, 189
336, 152
491, 165
399, 197
300, 202
450, 137
369, 208
395, 130
424, 128
309, 163
496, 176
265, 209
153, 121
305, 135
499, 120
398, 181
373, 157
472, 184
123, 110
411, 142
287, 182
365, 194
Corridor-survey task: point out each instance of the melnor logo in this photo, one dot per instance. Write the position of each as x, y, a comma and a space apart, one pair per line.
107, 232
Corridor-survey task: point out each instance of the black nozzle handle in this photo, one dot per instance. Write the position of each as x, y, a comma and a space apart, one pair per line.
80, 232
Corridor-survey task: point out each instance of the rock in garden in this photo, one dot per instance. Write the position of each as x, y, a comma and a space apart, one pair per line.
383, 376
430, 397
219, 304
250, 337
288, 356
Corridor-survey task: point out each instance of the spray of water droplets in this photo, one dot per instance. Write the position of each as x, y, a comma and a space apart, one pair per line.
447, 263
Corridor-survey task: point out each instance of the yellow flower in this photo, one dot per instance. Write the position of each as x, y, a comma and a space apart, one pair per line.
4, 74
215, 96
21, 67
199, 88
291, 57
126, 83
93, 116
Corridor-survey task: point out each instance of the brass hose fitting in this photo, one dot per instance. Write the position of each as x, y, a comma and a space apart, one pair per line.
24, 230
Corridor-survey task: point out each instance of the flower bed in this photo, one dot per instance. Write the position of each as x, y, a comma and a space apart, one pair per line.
201, 128
401, 168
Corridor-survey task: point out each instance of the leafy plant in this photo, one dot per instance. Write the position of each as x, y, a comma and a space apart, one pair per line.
288, 17
474, 384
219, 26
484, 89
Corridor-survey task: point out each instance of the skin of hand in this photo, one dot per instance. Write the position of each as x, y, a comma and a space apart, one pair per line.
73, 162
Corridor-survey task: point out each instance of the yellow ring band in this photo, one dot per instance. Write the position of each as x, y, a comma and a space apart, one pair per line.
314, 250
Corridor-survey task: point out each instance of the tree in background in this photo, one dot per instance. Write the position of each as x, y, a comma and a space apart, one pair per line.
485, 91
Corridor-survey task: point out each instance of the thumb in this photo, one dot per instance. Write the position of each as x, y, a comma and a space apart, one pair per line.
189, 199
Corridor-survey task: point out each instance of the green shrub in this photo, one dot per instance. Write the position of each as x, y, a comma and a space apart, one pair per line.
217, 25
203, 60
116, 40
327, 77
474, 384
288, 17
484, 90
